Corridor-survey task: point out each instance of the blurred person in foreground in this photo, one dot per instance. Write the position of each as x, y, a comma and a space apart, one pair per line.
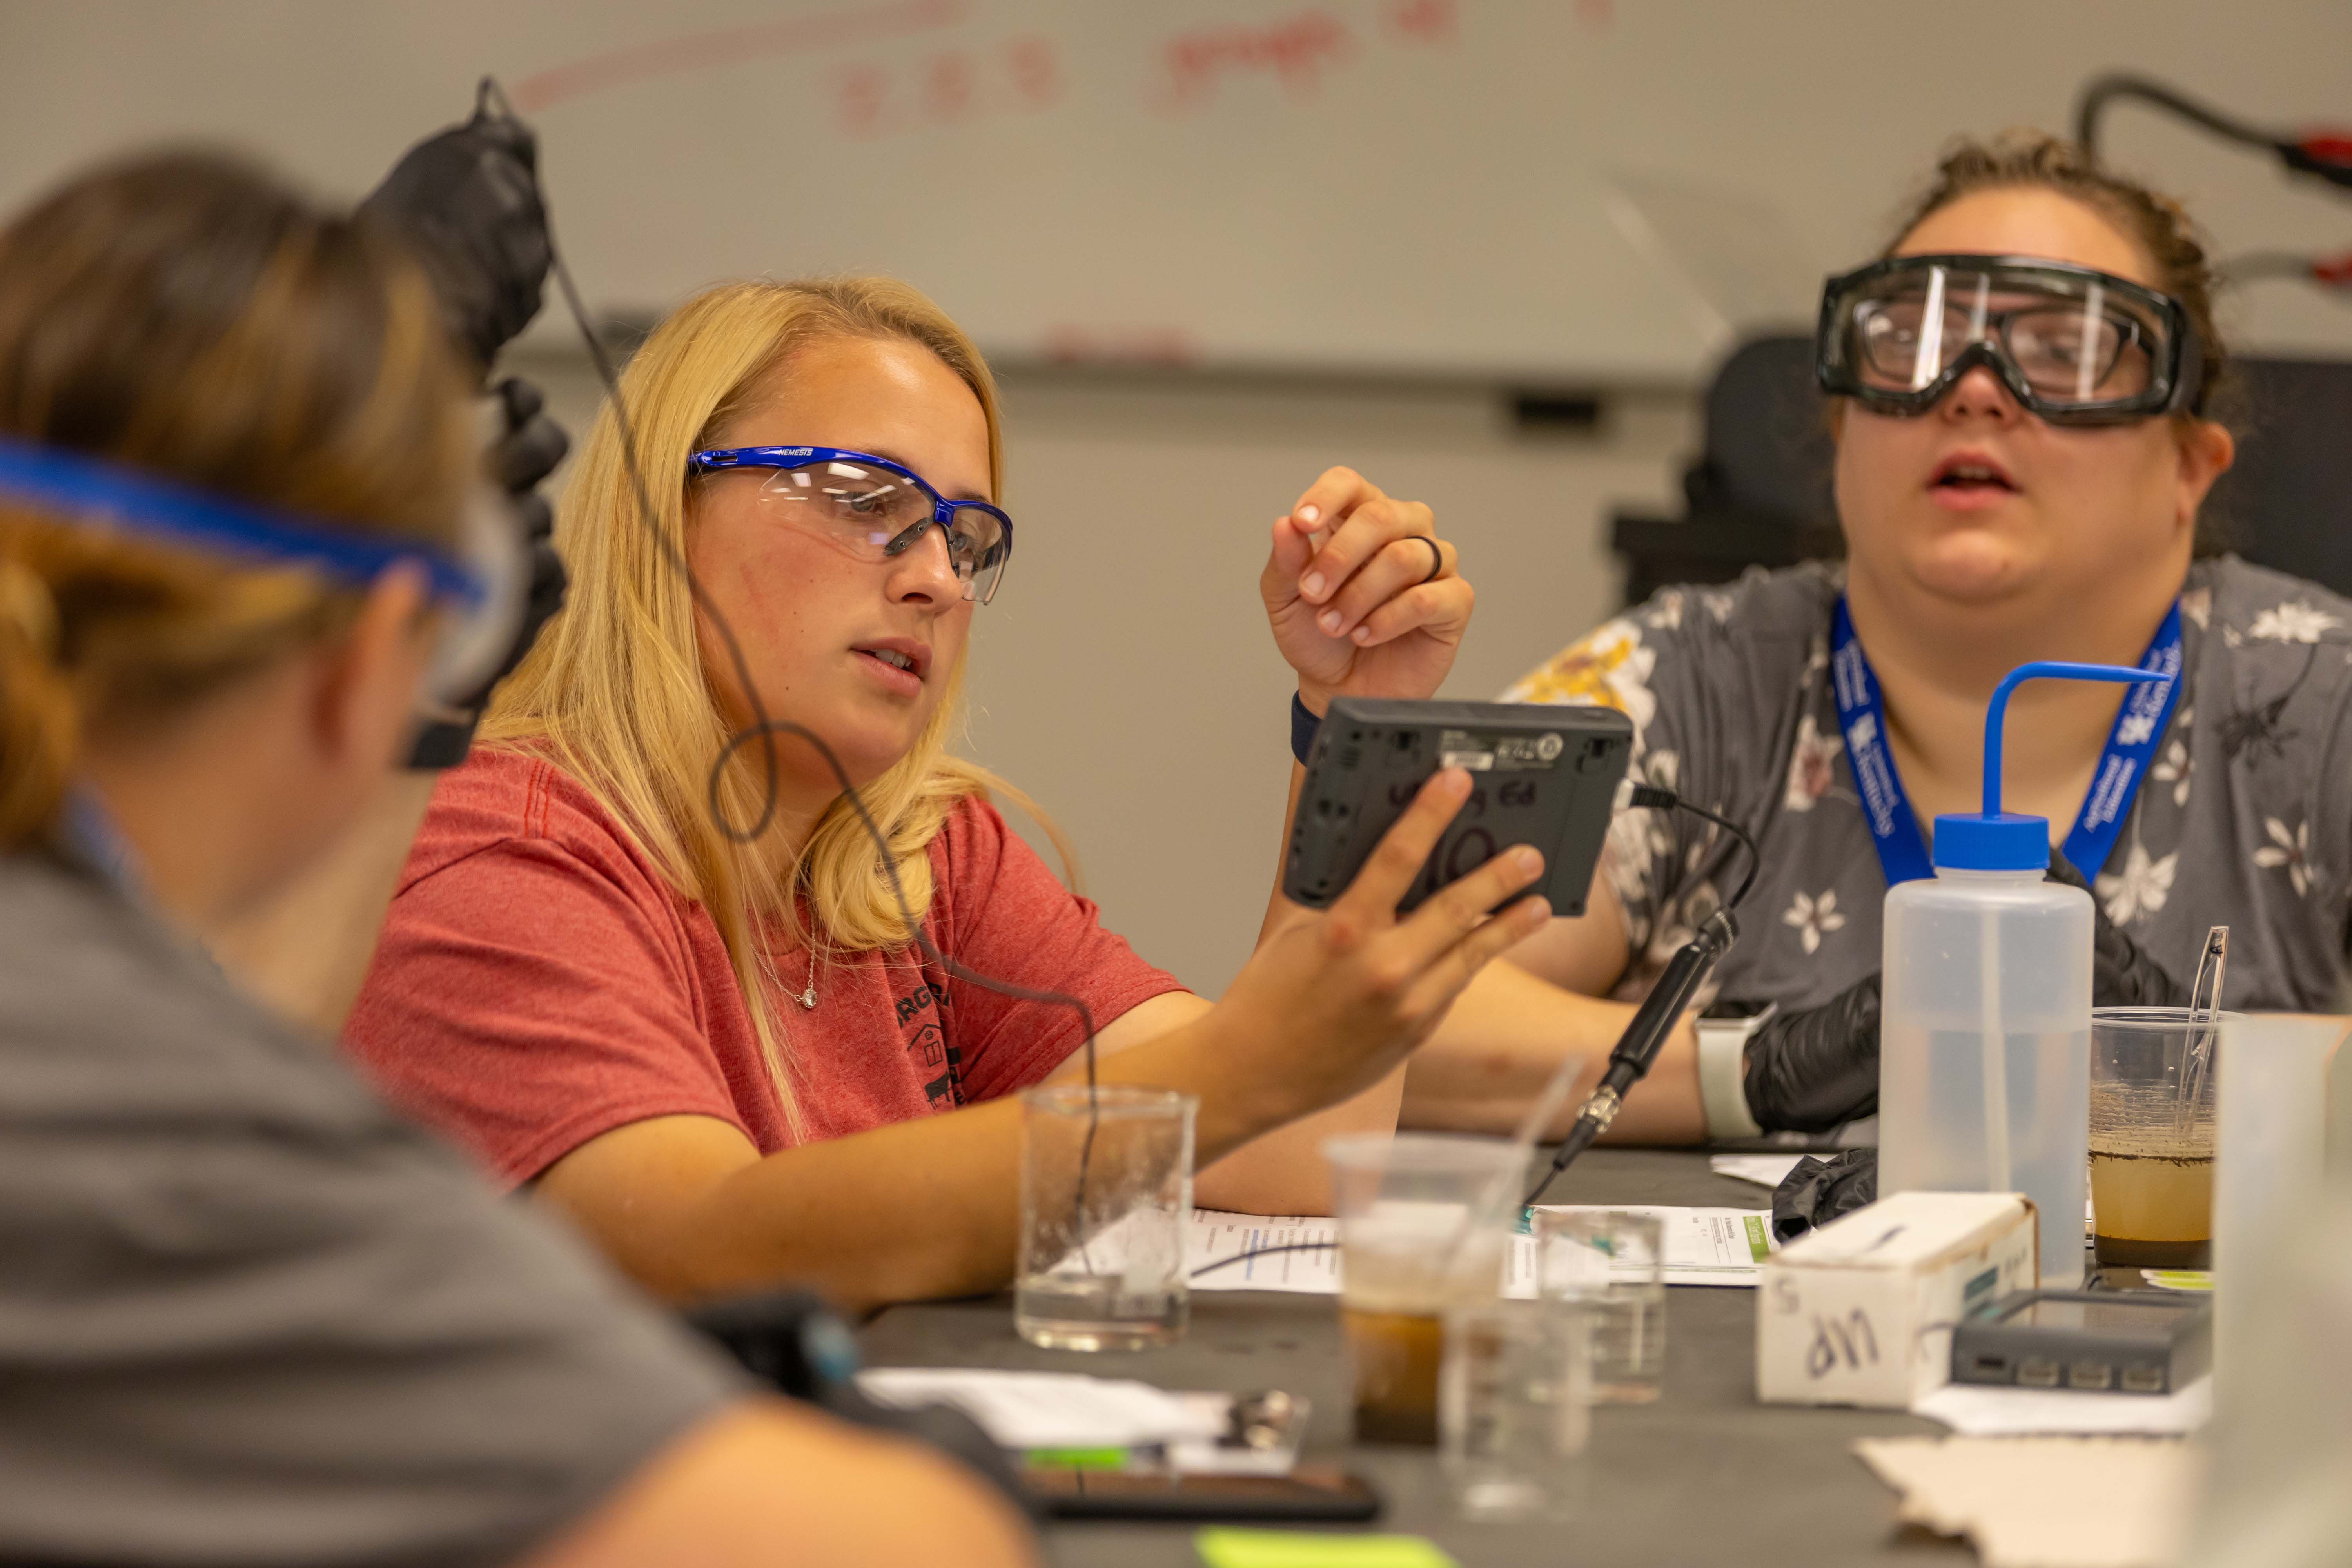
2024, 405
248, 1315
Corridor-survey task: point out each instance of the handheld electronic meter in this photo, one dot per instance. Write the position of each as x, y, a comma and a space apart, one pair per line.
2138, 1341
1541, 776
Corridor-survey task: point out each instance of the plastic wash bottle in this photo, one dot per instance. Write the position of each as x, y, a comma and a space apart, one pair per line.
1984, 1073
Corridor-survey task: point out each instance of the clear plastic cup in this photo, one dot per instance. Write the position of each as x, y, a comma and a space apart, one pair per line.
1419, 1232
2152, 1124
1106, 1191
1613, 1264
1515, 1409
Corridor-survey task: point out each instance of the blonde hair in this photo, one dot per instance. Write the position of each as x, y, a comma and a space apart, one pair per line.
616, 691
187, 316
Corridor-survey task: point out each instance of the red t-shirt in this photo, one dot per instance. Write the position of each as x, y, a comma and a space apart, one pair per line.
539, 983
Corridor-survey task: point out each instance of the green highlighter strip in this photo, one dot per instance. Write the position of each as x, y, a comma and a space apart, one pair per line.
1310, 1549
1086, 1459
2179, 1278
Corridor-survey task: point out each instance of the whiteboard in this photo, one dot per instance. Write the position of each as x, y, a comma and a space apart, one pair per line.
1575, 191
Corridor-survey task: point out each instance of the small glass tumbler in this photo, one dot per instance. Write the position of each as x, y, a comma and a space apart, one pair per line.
1515, 1413
1105, 1192
1612, 1261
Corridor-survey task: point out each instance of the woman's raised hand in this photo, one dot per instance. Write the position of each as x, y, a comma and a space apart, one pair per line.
1332, 1003
1362, 593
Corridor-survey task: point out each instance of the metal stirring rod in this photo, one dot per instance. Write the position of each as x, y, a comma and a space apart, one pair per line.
2204, 1021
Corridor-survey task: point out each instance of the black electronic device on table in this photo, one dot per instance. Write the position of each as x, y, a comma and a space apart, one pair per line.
2125, 1343
1316, 1493
1540, 774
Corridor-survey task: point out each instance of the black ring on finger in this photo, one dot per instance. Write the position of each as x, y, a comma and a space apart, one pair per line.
1436, 558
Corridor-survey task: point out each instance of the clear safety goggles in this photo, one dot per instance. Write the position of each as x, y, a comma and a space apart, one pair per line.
2074, 345
871, 508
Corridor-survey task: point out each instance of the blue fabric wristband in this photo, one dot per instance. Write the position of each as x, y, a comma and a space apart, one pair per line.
1303, 725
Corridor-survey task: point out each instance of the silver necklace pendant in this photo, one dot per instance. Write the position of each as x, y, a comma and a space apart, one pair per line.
807, 998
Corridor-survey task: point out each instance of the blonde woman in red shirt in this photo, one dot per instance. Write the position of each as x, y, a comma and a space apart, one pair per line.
722, 1053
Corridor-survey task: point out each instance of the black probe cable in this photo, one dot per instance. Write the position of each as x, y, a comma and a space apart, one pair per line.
1638, 1046
2323, 155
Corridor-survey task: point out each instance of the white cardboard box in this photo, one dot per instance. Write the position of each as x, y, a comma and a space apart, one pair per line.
1860, 1311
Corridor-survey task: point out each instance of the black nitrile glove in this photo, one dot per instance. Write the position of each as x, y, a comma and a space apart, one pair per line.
526, 453
1811, 1071
2121, 974
466, 201
1816, 1192
528, 450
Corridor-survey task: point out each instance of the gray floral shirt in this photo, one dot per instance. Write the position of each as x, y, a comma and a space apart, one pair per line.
2245, 818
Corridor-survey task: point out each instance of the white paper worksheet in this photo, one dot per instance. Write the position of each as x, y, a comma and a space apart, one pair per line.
1703, 1246
1216, 1235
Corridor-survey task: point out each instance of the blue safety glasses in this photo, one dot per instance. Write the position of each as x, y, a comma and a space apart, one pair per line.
871, 507
482, 585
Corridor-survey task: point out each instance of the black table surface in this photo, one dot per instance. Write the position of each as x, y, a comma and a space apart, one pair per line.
1704, 1475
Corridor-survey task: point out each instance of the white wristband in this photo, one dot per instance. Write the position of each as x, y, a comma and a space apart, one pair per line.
1723, 1075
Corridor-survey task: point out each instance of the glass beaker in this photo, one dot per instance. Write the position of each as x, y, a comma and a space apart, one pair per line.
1419, 1232
1613, 1263
1514, 1415
1105, 1192
2152, 1078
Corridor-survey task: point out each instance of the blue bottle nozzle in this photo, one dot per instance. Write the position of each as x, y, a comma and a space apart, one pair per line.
1993, 839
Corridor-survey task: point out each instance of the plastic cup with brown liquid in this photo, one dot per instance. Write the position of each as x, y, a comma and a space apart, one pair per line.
2151, 1143
1407, 1254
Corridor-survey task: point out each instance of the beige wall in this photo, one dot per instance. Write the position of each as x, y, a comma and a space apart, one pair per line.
1124, 676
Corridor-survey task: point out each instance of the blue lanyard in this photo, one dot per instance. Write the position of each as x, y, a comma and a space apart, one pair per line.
1885, 806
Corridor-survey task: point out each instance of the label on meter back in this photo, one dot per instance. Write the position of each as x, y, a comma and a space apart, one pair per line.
1498, 753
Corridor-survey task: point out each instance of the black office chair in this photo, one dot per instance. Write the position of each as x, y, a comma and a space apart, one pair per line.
1760, 493
2287, 501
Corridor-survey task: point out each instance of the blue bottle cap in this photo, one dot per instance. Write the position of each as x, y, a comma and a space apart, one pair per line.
2001, 841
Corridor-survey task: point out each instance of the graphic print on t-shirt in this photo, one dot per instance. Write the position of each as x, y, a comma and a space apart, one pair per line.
936, 1062
920, 997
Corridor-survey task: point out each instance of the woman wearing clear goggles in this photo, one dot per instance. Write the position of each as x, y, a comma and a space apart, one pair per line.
2073, 344
673, 990
2017, 392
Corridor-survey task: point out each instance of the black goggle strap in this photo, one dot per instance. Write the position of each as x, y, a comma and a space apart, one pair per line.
2187, 370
